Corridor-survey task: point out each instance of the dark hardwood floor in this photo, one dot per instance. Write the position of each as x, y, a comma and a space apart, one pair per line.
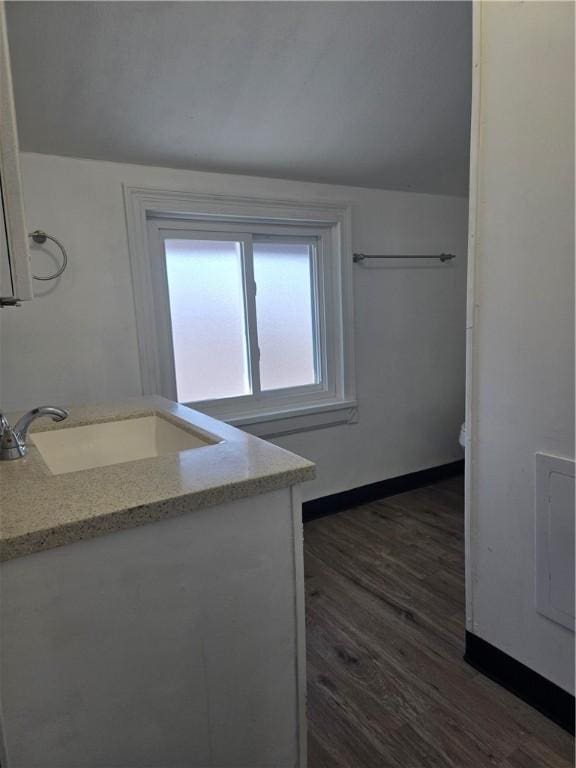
387, 685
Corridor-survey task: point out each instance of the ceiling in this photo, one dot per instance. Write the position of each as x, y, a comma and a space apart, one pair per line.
374, 94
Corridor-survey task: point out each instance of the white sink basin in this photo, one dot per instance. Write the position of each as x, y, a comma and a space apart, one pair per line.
115, 442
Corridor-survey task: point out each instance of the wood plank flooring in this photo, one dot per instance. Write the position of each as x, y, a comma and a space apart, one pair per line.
387, 685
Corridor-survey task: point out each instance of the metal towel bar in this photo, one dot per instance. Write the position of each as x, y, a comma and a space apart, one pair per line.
442, 256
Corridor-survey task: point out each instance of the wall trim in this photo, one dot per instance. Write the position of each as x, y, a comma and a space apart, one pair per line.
547, 697
472, 312
337, 502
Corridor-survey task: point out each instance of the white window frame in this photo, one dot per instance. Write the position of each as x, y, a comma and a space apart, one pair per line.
153, 215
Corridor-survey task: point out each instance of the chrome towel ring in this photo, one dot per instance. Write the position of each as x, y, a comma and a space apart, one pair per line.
40, 237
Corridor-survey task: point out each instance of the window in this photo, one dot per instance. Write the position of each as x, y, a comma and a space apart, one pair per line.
244, 312
241, 316
208, 317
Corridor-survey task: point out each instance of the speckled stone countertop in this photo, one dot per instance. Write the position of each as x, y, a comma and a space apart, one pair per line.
40, 510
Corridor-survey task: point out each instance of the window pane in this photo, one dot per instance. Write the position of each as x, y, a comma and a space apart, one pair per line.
207, 313
285, 316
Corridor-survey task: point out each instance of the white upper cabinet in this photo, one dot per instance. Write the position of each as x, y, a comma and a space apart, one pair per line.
15, 276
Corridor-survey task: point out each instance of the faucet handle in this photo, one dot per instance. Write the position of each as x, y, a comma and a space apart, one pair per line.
11, 446
6, 430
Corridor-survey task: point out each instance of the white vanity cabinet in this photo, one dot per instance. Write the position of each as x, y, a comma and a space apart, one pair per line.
178, 643
153, 609
15, 275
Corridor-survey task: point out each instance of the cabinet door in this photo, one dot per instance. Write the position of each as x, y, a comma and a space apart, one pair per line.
15, 277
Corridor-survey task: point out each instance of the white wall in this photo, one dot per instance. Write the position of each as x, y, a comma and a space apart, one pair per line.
77, 341
522, 357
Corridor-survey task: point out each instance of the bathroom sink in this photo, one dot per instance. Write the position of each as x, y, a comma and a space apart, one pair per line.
115, 442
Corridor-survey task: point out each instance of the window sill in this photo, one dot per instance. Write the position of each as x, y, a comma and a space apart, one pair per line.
292, 420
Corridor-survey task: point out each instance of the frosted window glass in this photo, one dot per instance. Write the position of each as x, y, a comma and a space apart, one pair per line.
205, 286
284, 314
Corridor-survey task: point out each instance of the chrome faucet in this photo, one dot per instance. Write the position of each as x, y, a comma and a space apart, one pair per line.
13, 439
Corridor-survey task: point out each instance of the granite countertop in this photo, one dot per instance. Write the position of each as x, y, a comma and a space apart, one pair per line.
41, 510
